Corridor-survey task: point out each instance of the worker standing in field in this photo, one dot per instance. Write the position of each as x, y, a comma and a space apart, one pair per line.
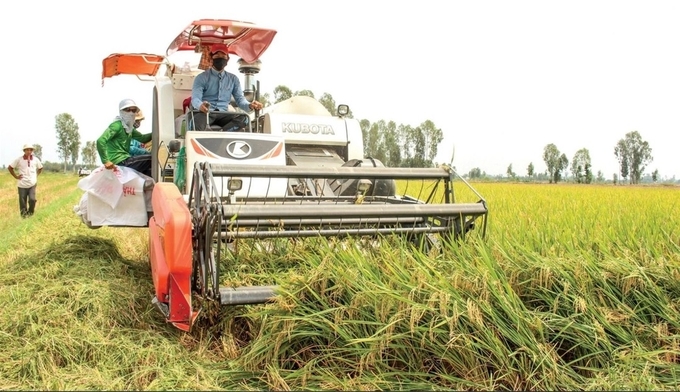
114, 144
211, 93
26, 169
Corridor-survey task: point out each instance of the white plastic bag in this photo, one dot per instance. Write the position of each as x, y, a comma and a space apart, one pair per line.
104, 184
118, 197
81, 210
130, 210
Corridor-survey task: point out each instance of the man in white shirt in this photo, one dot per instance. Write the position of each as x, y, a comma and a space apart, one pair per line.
26, 169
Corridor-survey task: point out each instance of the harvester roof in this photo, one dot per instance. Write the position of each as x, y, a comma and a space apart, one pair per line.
244, 39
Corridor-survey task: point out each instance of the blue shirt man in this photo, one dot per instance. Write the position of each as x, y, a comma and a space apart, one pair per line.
212, 92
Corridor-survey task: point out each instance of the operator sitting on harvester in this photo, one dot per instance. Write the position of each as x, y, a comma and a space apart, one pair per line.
212, 91
114, 144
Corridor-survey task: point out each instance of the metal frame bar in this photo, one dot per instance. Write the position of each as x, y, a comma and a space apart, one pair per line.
217, 218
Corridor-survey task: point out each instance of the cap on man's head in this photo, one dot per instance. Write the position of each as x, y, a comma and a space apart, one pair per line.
127, 103
219, 48
139, 116
28, 146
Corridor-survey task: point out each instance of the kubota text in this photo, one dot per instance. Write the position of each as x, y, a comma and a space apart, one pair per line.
315, 129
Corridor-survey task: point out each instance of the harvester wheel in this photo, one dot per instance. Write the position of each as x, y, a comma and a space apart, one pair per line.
205, 255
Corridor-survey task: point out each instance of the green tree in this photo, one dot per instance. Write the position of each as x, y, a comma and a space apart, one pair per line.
622, 157
530, 169
306, 93
365, 126
634, 154
589, 174
373, 148
37, 151
432, 137
68, 138
391, 145
75, 148
89, 153
509, 172
620, 150
406, 139
416, 140
329, 103
475, 173
377, 141
265, 100
551, 157
655, 175
562, 167
281, 93
600, 176
580, 166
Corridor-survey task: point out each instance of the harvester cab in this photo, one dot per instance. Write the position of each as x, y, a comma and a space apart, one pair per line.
296, 171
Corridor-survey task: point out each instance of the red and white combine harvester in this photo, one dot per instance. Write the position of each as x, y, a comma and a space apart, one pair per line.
298, 171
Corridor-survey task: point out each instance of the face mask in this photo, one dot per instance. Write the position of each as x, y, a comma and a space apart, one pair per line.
137, 124
220, 63
127, 117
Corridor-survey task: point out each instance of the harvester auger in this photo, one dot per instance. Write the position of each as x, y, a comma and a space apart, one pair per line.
320, 202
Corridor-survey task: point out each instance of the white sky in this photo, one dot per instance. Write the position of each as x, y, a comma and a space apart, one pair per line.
502, 79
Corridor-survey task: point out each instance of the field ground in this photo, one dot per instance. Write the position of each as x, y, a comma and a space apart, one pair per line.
575, 287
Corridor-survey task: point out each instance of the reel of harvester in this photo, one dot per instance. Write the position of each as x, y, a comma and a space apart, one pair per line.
227, 203
208, 221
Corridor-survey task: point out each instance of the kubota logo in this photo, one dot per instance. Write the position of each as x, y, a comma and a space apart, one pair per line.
239, 149
316, 129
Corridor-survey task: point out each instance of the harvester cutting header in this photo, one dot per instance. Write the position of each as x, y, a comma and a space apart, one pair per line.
295, 170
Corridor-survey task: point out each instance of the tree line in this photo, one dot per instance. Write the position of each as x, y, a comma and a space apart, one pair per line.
407, 146
394, 145
632, 153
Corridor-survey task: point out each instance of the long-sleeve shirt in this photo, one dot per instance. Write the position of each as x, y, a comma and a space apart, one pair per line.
114, 144
217, 88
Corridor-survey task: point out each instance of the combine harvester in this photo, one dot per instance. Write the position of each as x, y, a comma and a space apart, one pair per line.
299, 171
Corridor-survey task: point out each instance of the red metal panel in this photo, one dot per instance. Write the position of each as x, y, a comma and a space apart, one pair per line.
141, 64
171, 253
244, 39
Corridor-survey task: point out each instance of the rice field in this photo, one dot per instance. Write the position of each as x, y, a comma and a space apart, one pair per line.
574, 288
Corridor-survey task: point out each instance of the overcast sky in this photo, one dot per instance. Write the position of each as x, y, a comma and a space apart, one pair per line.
502, 79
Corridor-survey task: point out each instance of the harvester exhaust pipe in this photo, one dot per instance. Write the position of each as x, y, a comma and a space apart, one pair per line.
251, 91
249, 70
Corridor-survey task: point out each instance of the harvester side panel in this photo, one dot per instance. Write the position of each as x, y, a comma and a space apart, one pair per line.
159, 266
171, 253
